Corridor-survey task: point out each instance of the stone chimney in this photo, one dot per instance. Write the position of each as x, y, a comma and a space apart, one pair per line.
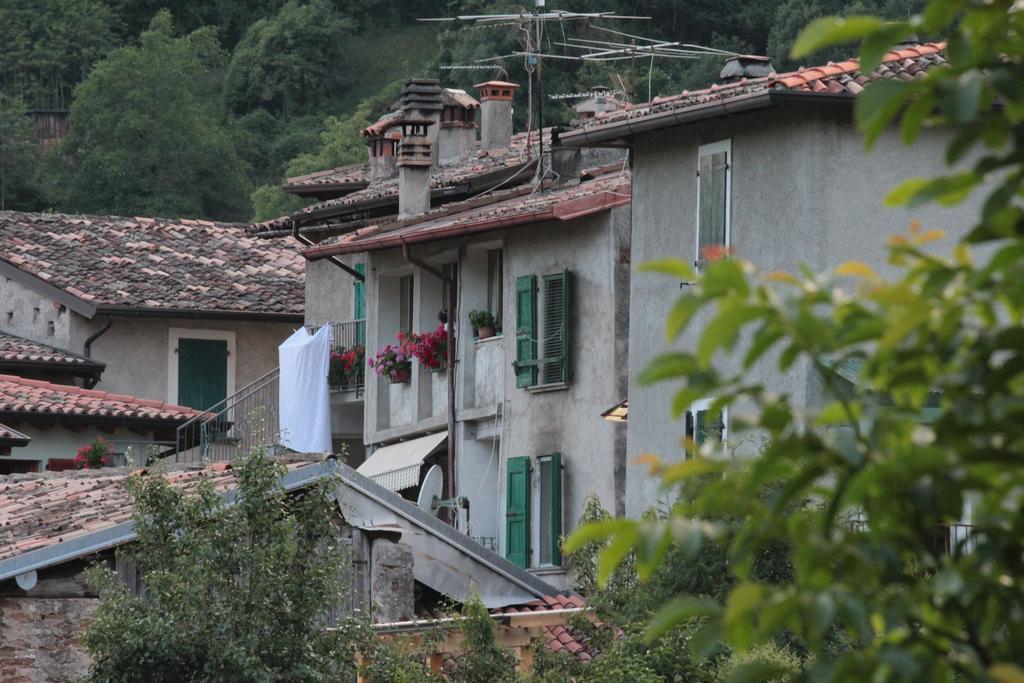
601, 99
383, 151
495, 113
421, 106
415, 158
456, 137
745, 66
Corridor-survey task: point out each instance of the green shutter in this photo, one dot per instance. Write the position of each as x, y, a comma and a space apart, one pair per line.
526, 330
555, 368
713, 169
202, 372
517, 512
556, 508
359, 295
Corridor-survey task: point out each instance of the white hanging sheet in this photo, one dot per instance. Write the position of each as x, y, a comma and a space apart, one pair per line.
304, 399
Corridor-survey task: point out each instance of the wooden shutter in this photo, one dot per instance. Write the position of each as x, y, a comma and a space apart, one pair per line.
202, 372
359, 295
713, 169
556, 509
555, 368
517, 512
526, 331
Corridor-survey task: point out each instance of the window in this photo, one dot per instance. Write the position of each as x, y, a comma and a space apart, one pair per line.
547, 334
714, 179
704, 425
359, 294
534, 513
451, 274
495, 282
201, 367
405, 304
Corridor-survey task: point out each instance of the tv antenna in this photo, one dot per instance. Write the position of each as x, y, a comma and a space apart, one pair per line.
532, 24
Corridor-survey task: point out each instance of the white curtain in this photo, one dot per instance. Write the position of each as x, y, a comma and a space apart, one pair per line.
304, 399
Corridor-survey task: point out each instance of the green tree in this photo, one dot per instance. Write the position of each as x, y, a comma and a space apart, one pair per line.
19, 157
147, 136
934, 423
292, 62
231, 592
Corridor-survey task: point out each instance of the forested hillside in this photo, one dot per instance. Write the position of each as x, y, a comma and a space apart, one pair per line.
200, 109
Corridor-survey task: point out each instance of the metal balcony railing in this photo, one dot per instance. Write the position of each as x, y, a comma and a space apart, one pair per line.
249, 419
347, 338
238, 425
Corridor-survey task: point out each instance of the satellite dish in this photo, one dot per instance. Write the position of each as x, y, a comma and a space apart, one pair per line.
430, 490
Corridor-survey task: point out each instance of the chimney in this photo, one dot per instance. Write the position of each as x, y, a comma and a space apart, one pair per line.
383, 150
496, 113
421, 112
456, 138
745, 66
599, 100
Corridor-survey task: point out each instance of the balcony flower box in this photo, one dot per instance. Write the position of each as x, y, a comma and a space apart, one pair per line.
346, 367
429, 348
393, 362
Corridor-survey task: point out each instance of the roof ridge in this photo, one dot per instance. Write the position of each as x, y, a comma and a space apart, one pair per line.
853, 63
103, 395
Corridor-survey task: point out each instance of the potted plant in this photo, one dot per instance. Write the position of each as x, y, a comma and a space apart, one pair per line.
483, 323
430, 348
393, 362
345, 365
94, 455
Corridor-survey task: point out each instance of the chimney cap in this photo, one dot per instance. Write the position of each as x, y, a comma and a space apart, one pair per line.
496, 90
421, 93
746, 66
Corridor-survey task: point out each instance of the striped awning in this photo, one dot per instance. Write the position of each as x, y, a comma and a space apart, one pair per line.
397, 466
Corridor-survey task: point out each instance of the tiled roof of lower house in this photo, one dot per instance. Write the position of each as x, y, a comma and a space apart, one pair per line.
561, 639
45, 509
12, 437
342, 179
500, 210
843, 78
34, 398
115, 263
16, 350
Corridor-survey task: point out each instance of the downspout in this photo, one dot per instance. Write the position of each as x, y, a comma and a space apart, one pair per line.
87, 348
333, 259
452, 317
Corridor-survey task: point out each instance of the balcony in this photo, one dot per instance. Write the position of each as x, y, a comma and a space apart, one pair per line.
347, 338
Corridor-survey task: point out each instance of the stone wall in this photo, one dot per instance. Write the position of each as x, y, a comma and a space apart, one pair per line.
39, 638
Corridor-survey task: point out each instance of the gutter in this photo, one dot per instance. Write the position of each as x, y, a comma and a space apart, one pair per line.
539, 618
87, 347
608, 200
111, 537
617, 130
302, 239
148, 312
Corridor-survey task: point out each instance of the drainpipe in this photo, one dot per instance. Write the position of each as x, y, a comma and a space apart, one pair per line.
452, 317
87, 348
336, 261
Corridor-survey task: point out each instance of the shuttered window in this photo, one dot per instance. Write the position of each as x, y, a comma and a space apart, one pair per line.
495, 273
549, 514
713, 181
517, 512
526, 331
359, 294
405, 304
555, 368
704, 425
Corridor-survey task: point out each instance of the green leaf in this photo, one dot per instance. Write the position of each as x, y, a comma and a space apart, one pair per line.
677, 611
879, 42
669, 266
743, 599
724, 329
829, 31
680, 315
668, 366
879, 104
596, 531
915, 116
756, 672
693, 467
615, 552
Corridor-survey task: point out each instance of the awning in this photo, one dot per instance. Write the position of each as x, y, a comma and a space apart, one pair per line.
397, 466
618, 412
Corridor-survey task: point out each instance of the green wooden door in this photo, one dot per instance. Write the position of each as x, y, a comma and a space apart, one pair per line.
202, 372
517, 512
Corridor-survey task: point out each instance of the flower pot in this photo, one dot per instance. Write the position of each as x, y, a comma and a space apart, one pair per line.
486, 332
400, 376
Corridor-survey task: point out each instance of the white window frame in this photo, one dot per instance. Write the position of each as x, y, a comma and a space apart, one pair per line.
705, 404
535, 511
176, 333
704, 150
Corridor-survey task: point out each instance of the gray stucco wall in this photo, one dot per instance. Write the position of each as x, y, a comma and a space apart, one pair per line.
55, 441
28, 314
495, 419
803, 192
138, 355
330, 291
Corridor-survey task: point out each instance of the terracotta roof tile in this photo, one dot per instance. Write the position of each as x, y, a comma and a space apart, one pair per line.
155, 263
20, 396
38, 510
560, 638
14, 349
10, 437
844, 77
